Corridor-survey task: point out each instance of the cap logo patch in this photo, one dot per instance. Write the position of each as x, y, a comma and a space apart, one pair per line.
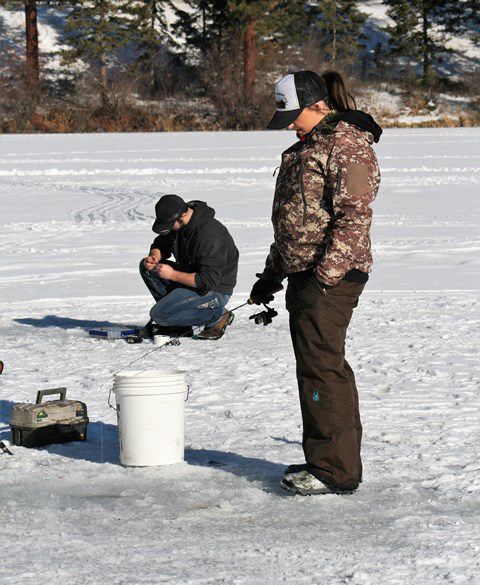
281, 101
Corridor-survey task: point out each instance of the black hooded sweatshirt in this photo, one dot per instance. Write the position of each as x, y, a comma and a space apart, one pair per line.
203, 246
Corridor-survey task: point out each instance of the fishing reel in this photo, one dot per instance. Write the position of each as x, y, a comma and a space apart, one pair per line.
264, 317
133, 339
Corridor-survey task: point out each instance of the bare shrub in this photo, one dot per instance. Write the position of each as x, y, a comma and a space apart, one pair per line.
17, 103
171, 75
222, 77
312, 58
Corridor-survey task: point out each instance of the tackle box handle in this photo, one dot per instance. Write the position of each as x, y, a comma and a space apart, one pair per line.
41, 393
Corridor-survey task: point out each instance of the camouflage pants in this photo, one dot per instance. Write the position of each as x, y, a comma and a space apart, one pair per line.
332, 430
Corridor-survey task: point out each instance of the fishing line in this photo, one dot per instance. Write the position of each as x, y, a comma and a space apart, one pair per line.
173, 341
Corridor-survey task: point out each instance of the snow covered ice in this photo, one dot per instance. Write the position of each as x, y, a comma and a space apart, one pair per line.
76, 216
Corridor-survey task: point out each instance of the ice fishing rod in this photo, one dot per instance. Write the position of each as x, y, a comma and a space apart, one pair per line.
173, 341
5, 449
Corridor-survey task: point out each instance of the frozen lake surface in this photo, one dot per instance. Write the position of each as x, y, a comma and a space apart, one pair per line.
76, 216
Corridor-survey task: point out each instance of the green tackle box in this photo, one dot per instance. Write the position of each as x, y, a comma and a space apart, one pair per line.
55, 421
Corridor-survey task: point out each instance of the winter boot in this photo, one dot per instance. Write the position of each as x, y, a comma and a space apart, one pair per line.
304, 483
296, 467
151, 329
148, 331
216, 331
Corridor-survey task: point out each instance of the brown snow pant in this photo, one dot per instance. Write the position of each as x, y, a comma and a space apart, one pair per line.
332, 431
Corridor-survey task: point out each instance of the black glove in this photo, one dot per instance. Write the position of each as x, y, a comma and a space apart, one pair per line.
263, 290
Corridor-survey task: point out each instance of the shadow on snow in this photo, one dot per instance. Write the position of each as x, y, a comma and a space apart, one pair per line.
5, 412
66, 322
102, 447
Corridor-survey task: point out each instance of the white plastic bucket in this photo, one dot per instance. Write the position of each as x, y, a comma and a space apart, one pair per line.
151, 416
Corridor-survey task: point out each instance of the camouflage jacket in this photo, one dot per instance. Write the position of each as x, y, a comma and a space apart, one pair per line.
321, 210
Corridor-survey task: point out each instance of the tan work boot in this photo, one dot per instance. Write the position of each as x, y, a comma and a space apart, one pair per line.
216, 331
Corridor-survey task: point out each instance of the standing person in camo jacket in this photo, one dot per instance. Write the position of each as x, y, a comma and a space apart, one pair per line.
321, 218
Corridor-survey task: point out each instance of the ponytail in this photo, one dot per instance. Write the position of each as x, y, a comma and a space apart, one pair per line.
339, 98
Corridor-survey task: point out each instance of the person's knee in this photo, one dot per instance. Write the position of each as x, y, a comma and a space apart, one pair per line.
156, 315
141, 268
160, 316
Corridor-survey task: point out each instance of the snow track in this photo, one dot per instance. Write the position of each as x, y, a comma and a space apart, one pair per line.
69, 249
118, 205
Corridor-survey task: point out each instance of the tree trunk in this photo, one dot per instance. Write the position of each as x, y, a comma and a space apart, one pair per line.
249, 60
204, 30
31, 33
425, 46
104, 93
334, 40
153, 49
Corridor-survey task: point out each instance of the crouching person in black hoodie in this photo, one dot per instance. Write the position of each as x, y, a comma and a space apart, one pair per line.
194, 289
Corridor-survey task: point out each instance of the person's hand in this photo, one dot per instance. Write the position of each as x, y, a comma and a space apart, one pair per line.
165, 271
155, 253
263, 291
151, 261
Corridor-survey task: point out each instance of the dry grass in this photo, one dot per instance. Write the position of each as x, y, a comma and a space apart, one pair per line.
59, 121
465, 120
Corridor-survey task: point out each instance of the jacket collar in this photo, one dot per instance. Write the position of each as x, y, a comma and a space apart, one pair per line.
360, 120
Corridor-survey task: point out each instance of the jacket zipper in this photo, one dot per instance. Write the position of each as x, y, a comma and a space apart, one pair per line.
302, 190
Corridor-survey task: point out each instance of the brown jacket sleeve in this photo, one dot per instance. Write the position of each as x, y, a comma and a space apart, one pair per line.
274, 269
354, 176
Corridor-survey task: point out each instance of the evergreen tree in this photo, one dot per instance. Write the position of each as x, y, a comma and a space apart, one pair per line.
264, 22
462, 17
336, 26
96, 29
421, 28
203, 24
246, 16
218, 24
290, 22
149, 30
404, 34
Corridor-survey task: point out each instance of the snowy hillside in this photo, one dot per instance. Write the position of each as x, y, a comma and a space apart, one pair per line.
76, 218
51, 22
51, 32
465, 56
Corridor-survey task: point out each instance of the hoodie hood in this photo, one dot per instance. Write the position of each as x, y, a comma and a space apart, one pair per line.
359, 119
202, 213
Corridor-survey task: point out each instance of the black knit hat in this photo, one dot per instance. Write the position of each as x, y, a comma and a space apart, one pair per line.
167, 210
293, 93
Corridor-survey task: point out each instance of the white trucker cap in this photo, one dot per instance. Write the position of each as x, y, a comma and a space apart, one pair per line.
293, 93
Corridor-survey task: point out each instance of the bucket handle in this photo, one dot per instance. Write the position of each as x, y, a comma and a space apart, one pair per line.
109, 403
41, 393
110, 395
